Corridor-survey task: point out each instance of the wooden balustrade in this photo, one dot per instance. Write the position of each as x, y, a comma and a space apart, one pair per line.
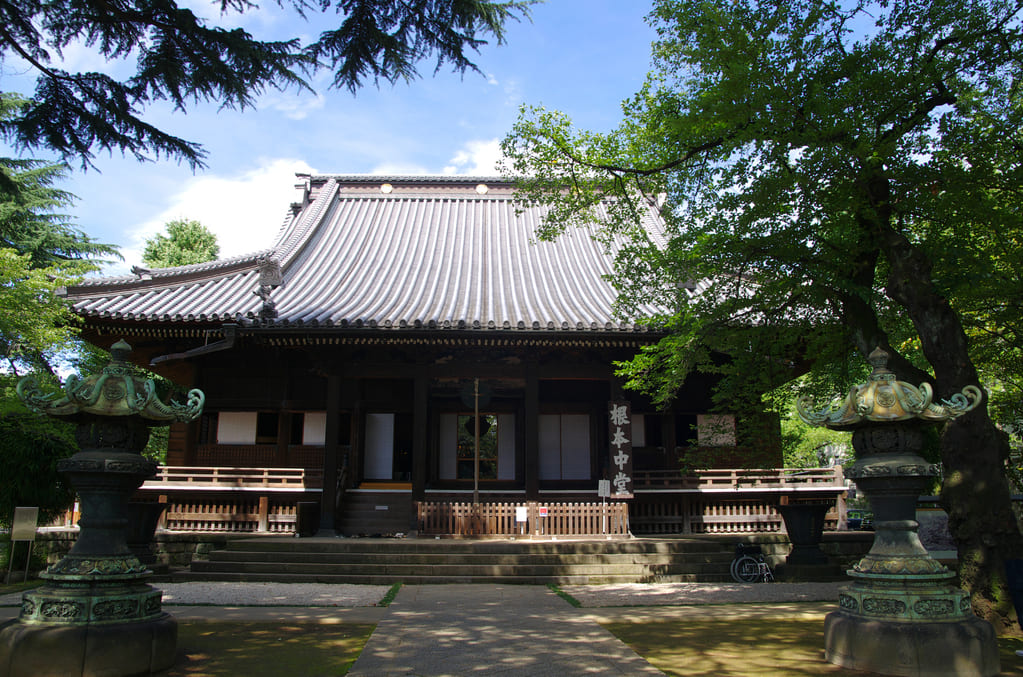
709, 514
733, 479
209, 498
540, 519
219, 479
256, 514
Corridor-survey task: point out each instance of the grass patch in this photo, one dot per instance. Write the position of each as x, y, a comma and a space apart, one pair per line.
294, 649
391, 594
564, 595
751, 647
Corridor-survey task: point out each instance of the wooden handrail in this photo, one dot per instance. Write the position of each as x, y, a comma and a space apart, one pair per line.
741, 478
195, 477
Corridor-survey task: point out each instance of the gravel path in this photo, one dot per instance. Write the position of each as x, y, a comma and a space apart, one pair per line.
591, 596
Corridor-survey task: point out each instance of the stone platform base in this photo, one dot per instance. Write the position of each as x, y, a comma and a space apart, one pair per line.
94, 650
962, 648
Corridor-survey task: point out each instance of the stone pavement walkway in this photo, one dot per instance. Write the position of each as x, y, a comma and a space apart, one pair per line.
506, 630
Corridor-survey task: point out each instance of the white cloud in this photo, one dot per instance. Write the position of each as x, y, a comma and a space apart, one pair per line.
244, 211
294, 107
476, 158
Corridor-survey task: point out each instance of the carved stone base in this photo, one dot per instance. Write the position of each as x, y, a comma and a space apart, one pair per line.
91, 603
88, 650
962, 648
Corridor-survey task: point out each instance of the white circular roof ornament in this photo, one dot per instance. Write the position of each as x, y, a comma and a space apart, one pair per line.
482, 188
386, 188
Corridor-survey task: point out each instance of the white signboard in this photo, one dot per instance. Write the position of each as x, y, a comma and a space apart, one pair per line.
24, 527
604, 488
521, 513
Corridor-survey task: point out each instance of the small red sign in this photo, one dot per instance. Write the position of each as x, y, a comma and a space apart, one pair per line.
542, 511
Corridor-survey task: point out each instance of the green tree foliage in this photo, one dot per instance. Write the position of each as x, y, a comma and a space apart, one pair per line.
35, 325
184, 59
186, 242
30, 446
40, 251
839, 176
31, 218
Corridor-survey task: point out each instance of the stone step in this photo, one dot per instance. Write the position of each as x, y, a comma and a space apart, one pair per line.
456, 546
449, 560
429, 559
459, 569
389, 560
377, 579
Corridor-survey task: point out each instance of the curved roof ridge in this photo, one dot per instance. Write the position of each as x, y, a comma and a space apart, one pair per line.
413, 178
190, 272
291, 239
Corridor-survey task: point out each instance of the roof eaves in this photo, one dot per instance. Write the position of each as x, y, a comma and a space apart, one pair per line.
158, 277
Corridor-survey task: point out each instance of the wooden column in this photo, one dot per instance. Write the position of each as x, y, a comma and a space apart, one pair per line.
420, 431
330, 456
283, 439
531, 434
668, 438
351, 402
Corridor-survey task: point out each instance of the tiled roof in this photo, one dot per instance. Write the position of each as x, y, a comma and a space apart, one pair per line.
386, 252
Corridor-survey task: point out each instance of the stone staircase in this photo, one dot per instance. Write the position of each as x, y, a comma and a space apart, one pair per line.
416, 561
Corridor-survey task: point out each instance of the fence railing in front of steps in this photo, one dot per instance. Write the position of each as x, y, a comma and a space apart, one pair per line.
531, 518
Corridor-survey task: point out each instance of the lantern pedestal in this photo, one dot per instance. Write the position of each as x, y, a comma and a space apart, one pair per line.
95, 615
902, 615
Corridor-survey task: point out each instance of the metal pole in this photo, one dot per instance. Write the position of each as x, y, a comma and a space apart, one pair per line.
476, 458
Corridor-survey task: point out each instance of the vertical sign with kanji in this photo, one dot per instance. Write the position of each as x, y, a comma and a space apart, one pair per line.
620, 435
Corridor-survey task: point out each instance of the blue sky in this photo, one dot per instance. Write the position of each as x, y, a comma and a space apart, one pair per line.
579, 56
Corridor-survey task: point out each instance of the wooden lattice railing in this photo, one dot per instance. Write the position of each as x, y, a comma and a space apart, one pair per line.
740, 478
254, 514
219, 479
523, 519
715, 515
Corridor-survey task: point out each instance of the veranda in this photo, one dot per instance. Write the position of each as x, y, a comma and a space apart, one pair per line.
266, 500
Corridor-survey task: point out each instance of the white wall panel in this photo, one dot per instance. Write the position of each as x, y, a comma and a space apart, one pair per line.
506, 446
448, 446
575, 447
314, 428
236, 427
379, 446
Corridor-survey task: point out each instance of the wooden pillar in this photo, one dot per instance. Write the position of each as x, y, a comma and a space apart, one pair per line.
263, 523
668, 435
352, 397
283, 439
420, 432
531, 434
328, 498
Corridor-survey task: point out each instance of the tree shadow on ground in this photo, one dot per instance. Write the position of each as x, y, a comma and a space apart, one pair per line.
750, 647
218, 649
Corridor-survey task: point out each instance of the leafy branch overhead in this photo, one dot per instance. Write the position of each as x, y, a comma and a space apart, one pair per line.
835, 177
184, 59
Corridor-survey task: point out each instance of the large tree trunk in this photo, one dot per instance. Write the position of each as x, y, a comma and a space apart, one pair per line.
975, 492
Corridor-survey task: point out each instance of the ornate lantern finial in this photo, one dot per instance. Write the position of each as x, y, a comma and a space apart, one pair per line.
115, 391
885, 399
